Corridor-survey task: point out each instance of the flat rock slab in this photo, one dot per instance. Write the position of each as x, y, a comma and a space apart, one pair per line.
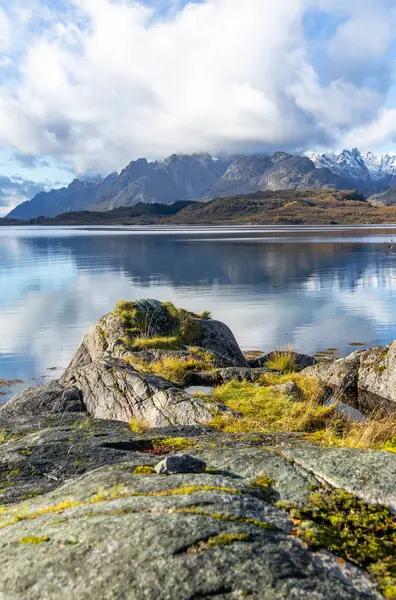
291, 483
112, 534
43, 452
369, 474
79, 519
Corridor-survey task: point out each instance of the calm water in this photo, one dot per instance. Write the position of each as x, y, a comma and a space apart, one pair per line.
312, 287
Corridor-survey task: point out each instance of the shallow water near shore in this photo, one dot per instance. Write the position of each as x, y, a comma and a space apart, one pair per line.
309, 287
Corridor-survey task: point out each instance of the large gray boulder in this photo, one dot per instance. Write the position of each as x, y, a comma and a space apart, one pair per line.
377, 375
114, 390
106, 337
102, 338
365, 379
217, 338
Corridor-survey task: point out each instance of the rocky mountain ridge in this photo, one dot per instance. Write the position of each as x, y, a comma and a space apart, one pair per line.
367, 170
182, 177
76, 197
203, 177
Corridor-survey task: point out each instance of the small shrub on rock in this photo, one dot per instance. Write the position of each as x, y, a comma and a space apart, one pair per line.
138, 425
282, 360
173, 368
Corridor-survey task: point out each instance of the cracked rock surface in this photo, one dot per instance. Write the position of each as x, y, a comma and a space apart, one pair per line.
80, 518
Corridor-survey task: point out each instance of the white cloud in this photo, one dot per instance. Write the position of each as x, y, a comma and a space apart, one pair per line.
14, 190
110, 81
375, 133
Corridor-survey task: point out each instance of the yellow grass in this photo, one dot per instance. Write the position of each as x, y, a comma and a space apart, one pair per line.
160, 342
139, 425
372, 433
282, 360
310, 387
171, 367
264, 409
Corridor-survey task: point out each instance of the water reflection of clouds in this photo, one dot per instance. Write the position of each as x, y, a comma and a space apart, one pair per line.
311, 296
49, 325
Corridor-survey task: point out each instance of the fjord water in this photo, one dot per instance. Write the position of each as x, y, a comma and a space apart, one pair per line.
310, 287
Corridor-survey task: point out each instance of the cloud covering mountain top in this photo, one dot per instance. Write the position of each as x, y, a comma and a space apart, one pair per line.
99, 82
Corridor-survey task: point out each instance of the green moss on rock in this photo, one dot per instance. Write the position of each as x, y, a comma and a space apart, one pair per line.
102, 337
222, 539
178, 327
390, 445
32, 539
358, 532
144, 470
265, 485
174, 444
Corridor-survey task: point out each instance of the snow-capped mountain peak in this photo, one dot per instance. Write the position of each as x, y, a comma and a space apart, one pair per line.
365, 168
380, 165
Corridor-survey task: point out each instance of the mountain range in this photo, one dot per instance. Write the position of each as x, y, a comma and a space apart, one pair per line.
203, 177
368, 171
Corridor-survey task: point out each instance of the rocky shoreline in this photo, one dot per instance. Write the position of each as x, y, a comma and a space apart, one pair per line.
282, 496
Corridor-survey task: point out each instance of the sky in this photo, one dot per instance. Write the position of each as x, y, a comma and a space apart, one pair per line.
89, 85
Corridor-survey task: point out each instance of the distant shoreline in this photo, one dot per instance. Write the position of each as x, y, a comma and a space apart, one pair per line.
285, 207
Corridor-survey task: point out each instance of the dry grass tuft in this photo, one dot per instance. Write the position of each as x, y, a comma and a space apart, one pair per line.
282, 360
310, 387
206, 315
160, 342
172, 368
264, 409
138, 425
373, 433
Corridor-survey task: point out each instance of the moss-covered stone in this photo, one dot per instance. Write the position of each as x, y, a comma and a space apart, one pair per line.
6, 436
353, 530
154, 519
164, 326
